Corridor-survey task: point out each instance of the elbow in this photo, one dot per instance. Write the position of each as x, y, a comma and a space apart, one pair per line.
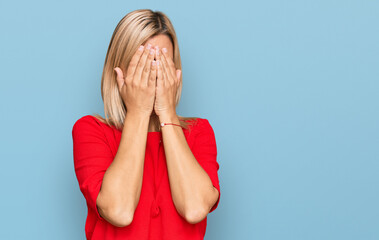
121, 218
115, 215
195, 215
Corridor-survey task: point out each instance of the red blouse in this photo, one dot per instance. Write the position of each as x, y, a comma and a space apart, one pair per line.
95, 145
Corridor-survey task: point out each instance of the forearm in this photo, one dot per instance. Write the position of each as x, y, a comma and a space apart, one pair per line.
122, 182
191, 188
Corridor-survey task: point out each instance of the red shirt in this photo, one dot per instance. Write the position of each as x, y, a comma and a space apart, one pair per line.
95, 145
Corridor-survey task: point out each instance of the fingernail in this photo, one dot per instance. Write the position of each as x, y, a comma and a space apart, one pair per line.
153, 62
157, 62
148, 46
140, 48
151, 51
164, 50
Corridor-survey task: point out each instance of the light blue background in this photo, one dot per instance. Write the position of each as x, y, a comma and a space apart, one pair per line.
290, 88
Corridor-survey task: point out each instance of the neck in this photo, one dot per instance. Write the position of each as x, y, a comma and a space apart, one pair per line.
154, 123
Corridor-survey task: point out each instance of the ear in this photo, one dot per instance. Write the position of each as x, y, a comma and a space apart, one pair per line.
119, 78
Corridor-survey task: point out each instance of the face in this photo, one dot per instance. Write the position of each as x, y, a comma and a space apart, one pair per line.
162, 41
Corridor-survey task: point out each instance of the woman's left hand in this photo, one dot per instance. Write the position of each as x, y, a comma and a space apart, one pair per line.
168, 79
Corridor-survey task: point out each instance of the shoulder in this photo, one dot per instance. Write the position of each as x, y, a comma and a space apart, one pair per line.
195, 123
193, 120
201, 125
204, 135
87, 122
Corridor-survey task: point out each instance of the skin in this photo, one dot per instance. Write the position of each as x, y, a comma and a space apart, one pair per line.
148, 92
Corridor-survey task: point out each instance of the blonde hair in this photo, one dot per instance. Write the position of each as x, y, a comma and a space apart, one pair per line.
133, 30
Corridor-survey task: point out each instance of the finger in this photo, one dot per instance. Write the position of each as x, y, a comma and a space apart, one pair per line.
119, 78
146, 70
168, 75
141, 64
169, 62
153, 74
157, 54
178, 74
160, 81
133, 64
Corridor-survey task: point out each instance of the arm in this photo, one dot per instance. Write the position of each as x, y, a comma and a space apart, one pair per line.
112, 187
122, 183
192, 188
110, 184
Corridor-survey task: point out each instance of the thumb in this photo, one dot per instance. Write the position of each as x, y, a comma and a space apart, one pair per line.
119, 77
178, 73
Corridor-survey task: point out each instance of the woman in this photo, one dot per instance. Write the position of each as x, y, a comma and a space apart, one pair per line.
145, 172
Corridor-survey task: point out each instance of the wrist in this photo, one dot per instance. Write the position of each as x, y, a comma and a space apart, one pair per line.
138, 115
169, 117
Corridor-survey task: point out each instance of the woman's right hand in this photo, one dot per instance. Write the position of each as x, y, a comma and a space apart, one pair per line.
137, 88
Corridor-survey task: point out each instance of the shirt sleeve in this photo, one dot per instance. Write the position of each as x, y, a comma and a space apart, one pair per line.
205, 152
92, 157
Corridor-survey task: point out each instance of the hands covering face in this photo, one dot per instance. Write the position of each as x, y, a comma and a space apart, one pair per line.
149, 84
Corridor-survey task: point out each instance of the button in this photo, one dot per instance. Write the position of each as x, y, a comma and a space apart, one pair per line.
155, 209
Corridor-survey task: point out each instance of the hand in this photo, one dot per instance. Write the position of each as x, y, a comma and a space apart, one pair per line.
167, 84
137, 88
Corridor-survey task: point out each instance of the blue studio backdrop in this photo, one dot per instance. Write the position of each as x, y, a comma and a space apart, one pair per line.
290, 88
